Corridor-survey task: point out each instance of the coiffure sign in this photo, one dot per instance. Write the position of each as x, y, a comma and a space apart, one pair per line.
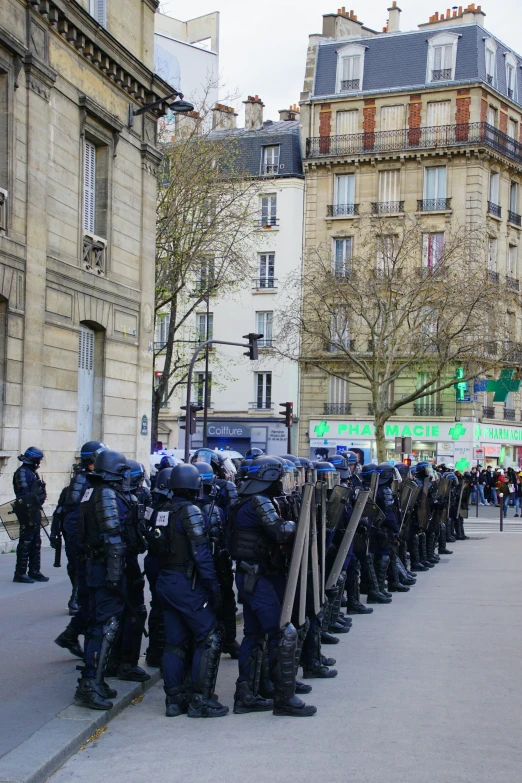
228, 430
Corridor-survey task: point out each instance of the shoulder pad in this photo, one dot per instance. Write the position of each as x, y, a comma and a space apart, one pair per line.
193, 521
76, 489
106, 508
265, 510
232, 493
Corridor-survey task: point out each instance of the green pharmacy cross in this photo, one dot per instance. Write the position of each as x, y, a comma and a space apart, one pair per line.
505, 384
321, 429
457, 431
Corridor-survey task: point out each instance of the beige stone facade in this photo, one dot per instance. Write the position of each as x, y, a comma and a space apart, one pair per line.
471, 130
77, 231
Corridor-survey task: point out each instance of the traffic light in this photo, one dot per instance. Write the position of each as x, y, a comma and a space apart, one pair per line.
252, 353
287, 412
193, 410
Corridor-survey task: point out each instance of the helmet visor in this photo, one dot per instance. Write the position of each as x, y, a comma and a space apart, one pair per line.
288, 481
301, 475
229, 467
331, 478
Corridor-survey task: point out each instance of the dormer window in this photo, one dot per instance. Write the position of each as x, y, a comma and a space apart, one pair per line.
511, 76
350, 67
491, 62
442, 55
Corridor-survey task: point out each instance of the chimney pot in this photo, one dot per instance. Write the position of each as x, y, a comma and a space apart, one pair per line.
253, 112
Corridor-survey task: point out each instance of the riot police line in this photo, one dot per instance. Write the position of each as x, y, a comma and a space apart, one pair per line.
302, 540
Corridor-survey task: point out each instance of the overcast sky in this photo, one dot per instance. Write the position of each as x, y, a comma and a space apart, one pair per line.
263, 44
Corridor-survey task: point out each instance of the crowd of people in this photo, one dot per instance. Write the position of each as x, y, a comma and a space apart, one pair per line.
491, 485
301, 540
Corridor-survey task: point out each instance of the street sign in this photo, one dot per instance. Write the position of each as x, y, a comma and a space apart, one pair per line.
478, 453
464, 398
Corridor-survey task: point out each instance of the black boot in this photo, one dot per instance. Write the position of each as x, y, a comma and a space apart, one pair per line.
282, 669
316, 665
381, 569
405, 576
430, 549
176, 701
232, 649
443, 549
424, 551
68, 640
73, 601
22, 559
246, 697
301, 688
202, 703
128, 668
450, 531
91, 694
352, 591
463, 536
416, 564
327, 661
394, 582
154, 653
374, 594
34, 562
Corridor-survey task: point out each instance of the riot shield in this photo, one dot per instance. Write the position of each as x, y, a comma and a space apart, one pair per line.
339, 497
374, 483
463, 509
424, 509
347, 539
10, 521
320, 496
409, 494
303, 576
314, 560
297, 556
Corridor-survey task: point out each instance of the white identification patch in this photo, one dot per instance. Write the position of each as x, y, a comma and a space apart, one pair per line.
87, 495
162, 520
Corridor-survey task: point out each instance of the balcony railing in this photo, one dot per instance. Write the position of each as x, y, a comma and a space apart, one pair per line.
269, 168
264, 283
509, 414
488, 412
337, 408
441, 75
433, 204
494, 209
512, 283
267, 222
514, 218
261, 405
433, 137
420, 409
350, 84
493, 276
387, 207
342, 210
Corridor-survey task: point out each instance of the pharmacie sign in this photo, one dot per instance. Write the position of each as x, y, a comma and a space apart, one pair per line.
421, 430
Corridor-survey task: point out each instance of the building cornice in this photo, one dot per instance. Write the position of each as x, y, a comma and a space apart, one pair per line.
153, 4
68, 19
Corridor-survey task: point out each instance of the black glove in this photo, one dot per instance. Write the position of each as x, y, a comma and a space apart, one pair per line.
216, 601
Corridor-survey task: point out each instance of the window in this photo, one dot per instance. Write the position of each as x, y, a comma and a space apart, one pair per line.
512, 261
393, 118
512, 128
264, 326
442, 54
511, 76
432, 397
343, 256
491, 62
263, 390
432, 250
98, 9
162, 329
434, 197
492, 254
206, 275
492, 116
201, 326
386, 253
350, 66
347, 122
89, 185
266, 270
494, 183
338, 389
201, 397
389, 187
344, 190
513, 216
270, 160
439, 120
269, 210
339, 330
85, 386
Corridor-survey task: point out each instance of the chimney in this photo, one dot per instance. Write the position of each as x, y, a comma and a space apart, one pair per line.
253, 112
394, 18
342, 24
223, 117
289, 114
471, 15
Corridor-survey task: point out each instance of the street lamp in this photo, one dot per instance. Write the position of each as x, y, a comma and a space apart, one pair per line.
177, 106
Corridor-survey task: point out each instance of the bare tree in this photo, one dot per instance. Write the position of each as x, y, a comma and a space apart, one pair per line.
407, 302
205, 223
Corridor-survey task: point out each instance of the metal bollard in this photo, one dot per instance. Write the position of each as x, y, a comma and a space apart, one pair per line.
501, 496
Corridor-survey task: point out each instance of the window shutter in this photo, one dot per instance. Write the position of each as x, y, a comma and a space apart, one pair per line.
439, 113
100, 11
347, 122
85, 385
389, 185
392, 118
89, 186
86, 349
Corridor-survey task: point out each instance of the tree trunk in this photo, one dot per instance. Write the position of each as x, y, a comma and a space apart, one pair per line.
380, 439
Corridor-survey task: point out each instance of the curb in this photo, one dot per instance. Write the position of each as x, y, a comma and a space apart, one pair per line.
38, 757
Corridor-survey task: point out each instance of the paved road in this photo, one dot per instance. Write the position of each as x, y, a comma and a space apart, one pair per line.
428, 691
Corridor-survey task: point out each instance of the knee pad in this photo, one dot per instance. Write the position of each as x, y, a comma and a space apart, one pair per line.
110, 629
180, 650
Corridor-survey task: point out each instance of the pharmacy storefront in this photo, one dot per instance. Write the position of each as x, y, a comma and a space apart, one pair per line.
450, 442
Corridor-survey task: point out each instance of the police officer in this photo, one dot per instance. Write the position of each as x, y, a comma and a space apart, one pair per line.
101, 533
30, 496
216, 529
76, 566
257, 533
225, 471
189, 592
374, 567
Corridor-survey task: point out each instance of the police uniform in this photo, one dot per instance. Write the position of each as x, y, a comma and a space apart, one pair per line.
30, 495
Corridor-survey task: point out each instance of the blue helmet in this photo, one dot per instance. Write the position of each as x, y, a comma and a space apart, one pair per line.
185, 477
326, 472
90, 450
423, 470
341, 464
206, 472
166, 462
367, 471
32, 456
137, 473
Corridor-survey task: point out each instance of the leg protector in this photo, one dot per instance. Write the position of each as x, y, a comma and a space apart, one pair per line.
443, 549
206, 674
246, 697
381, 569
394, 582
423, 546
430, 549
156, 634
110, 631
404, 575
374, 593
22, 557
34, 559
282, 668
352, 590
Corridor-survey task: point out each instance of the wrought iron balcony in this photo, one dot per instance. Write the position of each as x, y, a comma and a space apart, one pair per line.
270, 168
493, 276
350, 84
494, 209
421, 409
514, 218
509, 414
337, 408
387, 207
512, 283
488, 412
441, 75
342, 210
261, 405
264, 283
432, 137
267, 222
433, 204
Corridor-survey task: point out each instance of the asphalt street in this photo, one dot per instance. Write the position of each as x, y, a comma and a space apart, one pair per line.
428, 691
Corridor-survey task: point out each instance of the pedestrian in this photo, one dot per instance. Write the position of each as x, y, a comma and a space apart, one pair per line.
478, 484
492, 481
503, 488
518, 496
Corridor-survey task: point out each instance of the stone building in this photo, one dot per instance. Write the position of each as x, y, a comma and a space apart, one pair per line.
77, 228
426, 123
